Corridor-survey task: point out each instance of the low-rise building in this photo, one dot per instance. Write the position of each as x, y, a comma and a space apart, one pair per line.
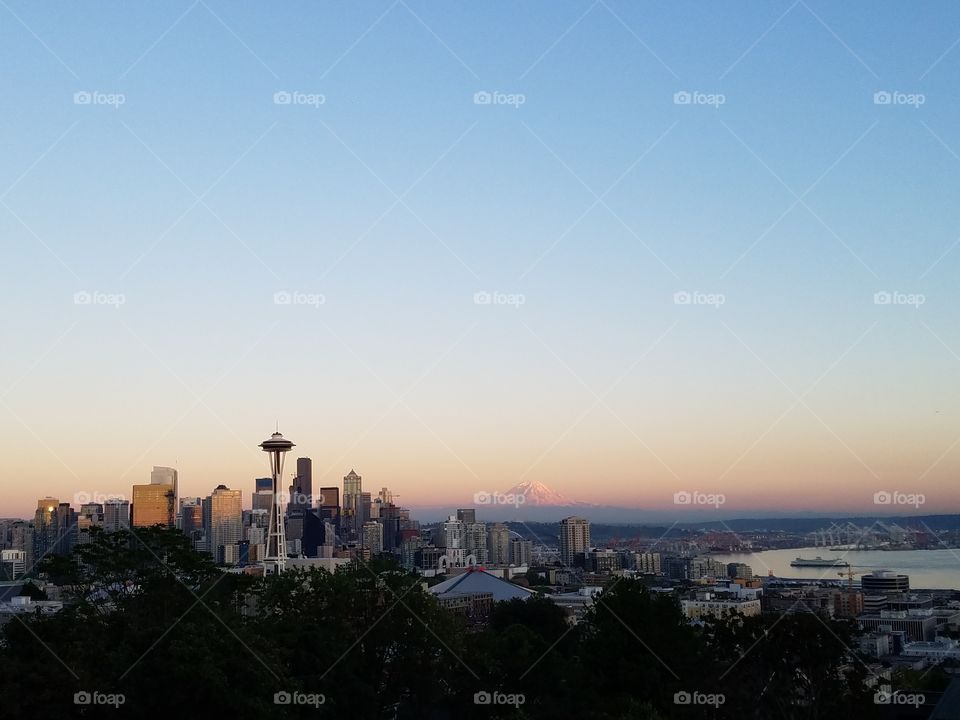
937, 650
919, 625
719, 606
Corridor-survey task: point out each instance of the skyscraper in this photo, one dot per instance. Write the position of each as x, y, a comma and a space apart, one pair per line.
371, 537
66, 529
45, 527
467, 515
304, 482
191, 518
262, 493
351, 483
351, 503
165, 476
226, 520
329, 497
116, 515
574, 538
154, 504
89, 517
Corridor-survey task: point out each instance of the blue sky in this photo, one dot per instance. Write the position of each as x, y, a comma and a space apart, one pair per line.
597, 199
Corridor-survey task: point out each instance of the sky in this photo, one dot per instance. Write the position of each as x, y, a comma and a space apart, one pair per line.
625, 249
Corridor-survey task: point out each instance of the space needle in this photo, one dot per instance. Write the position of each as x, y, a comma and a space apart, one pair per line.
275, 560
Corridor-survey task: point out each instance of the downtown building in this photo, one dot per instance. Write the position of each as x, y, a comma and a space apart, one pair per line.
498, 544
574, 539
116, 515
371, 537
353, 513
225, 528
156, 503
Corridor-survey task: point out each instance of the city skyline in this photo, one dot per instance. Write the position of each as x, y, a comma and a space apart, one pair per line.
423, 359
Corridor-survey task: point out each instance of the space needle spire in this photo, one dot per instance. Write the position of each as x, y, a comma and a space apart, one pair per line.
275, 561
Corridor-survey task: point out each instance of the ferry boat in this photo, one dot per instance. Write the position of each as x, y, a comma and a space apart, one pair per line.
819, 562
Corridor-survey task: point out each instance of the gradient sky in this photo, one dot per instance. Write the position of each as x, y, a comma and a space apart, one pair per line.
399, 198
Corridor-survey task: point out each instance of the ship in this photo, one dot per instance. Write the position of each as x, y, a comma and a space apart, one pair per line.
819, 562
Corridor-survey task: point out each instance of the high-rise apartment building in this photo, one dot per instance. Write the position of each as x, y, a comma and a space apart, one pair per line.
521, 551
452, 533
647, 563
475, 541
498, 544
574, 538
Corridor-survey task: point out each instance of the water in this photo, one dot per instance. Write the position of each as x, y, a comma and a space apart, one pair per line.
931, 569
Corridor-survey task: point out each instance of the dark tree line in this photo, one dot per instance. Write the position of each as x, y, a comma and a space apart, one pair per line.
152, 620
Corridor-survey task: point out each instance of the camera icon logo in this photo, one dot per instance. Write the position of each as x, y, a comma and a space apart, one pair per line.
682, 98
682, 498
282, 297
882, 97
82, 98
882, 497
82, 698
482, 698
282, 698
282, 97
682, 698
482, 97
